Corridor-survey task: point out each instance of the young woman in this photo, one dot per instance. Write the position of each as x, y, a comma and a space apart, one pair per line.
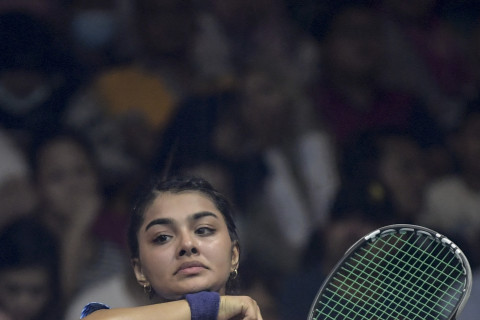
185, 253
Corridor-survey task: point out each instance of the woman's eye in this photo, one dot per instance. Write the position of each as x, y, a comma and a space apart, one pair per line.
162, 238
204, 231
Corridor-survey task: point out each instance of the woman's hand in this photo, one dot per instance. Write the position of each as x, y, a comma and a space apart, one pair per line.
238, 308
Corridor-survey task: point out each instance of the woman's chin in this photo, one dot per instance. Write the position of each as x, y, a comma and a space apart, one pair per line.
180, 293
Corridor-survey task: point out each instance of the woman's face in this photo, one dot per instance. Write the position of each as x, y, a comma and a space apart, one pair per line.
184, 246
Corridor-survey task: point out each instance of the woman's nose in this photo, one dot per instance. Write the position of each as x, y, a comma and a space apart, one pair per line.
187, 245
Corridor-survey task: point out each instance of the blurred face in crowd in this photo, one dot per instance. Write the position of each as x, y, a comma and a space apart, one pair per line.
184, 246
266, 106
353, 47
66, 177
402, 171
24, 292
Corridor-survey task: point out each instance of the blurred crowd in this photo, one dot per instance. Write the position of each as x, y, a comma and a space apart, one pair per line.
320, 120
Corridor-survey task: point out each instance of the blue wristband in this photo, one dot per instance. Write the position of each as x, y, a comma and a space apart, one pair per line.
204, 305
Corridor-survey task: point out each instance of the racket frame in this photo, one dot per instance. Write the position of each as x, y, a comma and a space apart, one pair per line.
403, 228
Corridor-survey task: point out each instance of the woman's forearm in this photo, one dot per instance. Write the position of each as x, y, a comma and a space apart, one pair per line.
238, 307
175, 310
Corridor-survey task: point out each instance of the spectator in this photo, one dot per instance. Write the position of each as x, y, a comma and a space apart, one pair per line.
426, 56
249, 29
71, 202
349, 96
383, 173
185, 253
121, 289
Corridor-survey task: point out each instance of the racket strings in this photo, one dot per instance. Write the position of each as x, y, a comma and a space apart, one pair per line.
344, 298
372, 288
396, 277
383, 304
394, 274
427, 281
377, 312
445, 276
400, 290
404, 290
431, 277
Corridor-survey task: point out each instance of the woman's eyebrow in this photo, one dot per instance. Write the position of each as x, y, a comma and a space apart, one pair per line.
168, 221
160, 221
202, 214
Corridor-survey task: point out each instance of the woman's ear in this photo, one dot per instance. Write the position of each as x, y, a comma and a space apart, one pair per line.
137, 268
235, 255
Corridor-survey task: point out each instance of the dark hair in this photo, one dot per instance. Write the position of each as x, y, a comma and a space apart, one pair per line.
177, 184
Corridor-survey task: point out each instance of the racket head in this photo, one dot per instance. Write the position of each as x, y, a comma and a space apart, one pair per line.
396, 272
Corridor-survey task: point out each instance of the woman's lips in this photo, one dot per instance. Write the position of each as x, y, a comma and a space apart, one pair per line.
190, 268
